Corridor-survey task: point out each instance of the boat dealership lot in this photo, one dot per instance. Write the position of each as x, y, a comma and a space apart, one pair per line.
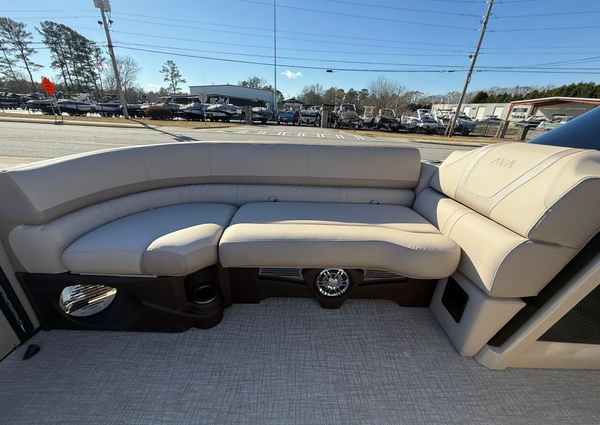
23, 142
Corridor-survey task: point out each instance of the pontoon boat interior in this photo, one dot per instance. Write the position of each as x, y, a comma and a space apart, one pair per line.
299, 283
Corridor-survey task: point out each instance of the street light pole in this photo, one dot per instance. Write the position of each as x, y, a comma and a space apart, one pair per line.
275, 55
104, 7
452, 125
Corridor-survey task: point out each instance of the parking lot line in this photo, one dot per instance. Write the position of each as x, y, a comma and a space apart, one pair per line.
359, 137
339, 136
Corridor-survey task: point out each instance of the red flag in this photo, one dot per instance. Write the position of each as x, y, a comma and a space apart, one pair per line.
47, 86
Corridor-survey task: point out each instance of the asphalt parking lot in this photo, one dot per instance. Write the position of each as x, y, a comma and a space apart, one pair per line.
23, 142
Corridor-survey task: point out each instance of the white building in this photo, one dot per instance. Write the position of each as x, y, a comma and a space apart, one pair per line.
476, 111
545, 108
233, 91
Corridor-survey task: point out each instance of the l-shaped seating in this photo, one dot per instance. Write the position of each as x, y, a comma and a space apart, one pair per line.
501, 221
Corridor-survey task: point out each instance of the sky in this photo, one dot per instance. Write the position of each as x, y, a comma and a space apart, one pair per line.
377, 37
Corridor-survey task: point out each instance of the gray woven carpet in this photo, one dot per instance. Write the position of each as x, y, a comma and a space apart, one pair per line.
285, 362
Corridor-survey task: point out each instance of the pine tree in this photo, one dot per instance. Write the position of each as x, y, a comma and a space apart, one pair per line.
8, 62
172, 76
14, 34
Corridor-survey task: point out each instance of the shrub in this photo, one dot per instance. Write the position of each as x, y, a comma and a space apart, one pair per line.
159, 113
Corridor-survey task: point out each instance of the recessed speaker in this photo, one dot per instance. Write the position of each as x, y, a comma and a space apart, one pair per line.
332, 282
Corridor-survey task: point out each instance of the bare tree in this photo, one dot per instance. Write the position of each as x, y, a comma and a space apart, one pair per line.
385, 93
312, 94
254, 82
128, 70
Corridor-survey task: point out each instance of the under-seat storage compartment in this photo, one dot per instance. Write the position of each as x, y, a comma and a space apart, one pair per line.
468, 315
129, 303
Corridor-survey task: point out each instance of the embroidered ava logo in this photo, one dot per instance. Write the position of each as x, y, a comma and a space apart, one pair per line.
503, 162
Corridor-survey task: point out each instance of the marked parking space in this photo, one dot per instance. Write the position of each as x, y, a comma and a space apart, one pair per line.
285, 133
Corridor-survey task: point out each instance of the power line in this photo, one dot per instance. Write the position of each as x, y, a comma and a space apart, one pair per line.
320, 68
372, 18
584, 27
407, 9
345, 36
279, 37
371, 53
324, 68
282, 57
50, 18
531, 66
589, 12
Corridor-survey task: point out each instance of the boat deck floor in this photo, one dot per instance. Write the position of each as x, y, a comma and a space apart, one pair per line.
285, 361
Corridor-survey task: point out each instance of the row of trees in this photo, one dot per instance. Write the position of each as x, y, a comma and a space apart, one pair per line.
380, 93
502, 95
80, 63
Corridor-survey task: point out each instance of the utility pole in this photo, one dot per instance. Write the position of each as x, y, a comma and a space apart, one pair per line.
452, 124
104, 6
275, 55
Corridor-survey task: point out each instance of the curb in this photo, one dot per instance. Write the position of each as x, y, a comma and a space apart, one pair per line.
83, 123
469, 144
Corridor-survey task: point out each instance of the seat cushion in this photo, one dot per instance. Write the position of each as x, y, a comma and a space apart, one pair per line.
169, 241
311, 235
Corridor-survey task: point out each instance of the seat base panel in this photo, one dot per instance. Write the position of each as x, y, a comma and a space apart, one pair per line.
247, 287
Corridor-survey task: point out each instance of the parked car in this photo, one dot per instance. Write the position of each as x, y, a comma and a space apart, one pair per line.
288, 117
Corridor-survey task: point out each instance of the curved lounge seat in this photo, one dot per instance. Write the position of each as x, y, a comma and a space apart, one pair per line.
307, 234
169, 241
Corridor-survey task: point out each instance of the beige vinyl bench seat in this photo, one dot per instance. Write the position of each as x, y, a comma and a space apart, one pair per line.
309, 234
174, 240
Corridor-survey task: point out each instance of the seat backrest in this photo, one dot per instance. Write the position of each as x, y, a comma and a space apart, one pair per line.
45, 191
520, 212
